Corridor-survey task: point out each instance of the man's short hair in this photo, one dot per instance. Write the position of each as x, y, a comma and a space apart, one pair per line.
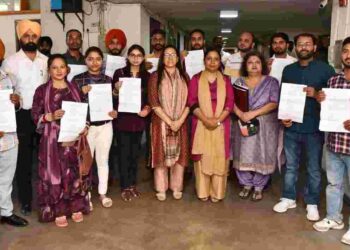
45, 39
313, 37
346, 41
158, 31
197, 31
73, 30
282, 35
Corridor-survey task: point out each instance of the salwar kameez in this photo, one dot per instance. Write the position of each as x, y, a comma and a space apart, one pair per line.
169, 150
61, 190
255, 157
211, 181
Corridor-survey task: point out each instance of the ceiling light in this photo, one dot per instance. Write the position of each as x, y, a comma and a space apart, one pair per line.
226, 31
228, 13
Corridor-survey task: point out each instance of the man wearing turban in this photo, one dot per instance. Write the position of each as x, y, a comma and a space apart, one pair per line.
115, 41
27, 69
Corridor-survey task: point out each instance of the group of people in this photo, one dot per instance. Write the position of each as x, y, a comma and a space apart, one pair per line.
192, 120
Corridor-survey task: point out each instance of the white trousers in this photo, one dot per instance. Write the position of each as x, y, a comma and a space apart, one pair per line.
8, 161
100, 141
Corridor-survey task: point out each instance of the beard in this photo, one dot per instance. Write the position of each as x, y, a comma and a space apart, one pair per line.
279, 51
305, 56
346, 63
115, 52
244, 50
197, 46
30, 47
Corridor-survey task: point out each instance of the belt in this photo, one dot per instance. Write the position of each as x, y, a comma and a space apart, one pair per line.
100, 123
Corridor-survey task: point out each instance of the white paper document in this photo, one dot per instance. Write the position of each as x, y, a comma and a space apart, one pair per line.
73, 121
292, 102
278, 66
113, 63
7, 112
154, 62
75, 70
194, 62
335, 110
100, 102
130, 95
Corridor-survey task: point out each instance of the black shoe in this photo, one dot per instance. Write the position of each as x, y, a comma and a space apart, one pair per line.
26, 209
14, 220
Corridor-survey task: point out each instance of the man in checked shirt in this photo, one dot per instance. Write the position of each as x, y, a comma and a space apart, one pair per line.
338, 155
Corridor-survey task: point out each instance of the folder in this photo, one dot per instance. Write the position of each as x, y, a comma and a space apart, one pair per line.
241, 95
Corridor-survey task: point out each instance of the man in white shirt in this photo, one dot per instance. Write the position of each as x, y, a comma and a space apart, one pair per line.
218, 43
280, 59
233, 63
27, 70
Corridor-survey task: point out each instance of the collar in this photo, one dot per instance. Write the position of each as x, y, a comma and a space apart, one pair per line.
37, 56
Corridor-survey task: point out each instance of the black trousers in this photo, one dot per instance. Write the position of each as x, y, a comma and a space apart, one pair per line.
26, 135
129, 144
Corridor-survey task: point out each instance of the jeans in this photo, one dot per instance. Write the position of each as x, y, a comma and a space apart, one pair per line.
337, 165
313, 144
8, 161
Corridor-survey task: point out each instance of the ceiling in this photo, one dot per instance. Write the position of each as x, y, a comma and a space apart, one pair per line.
263, 17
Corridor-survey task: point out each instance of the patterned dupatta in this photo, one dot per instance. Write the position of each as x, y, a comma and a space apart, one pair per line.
173, 98
50, 135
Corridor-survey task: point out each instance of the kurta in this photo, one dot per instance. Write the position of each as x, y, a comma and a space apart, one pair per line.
259, 153
158, 155
193, 102
59, 189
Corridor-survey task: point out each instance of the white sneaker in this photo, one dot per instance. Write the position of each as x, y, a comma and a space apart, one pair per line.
161, 196
346, 238
284, 205
326, 224
312, 213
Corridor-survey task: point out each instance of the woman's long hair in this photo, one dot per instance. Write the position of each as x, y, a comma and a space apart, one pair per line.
143, 70
161, 66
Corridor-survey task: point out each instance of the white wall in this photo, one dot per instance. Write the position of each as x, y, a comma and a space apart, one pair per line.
133, 19
340, 26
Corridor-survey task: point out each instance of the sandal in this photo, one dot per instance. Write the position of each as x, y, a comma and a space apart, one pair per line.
245, 192
61, 221
106, 201
177, 195
257, 195
135, 193
126, 195
77, 217
204, 199
90, 203
214, 200
161, 196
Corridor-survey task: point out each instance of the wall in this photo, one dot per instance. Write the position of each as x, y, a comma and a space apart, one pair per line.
340, 27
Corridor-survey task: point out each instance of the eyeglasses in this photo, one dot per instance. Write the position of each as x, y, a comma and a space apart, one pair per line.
170, 55
139, 56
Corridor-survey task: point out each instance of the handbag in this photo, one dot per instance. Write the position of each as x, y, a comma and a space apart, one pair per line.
84, 156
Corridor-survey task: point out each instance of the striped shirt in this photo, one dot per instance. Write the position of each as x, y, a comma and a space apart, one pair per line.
339, 142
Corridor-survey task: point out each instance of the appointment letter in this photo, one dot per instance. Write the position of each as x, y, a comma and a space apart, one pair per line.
73, 121
292, 102
100, 102
130, 95
7, 112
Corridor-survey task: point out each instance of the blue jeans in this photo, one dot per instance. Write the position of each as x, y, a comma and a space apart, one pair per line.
337, 165
313, 144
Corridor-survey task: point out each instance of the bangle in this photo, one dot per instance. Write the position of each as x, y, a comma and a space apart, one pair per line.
44, 118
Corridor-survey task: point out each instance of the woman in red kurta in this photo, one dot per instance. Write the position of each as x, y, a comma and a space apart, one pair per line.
167, 95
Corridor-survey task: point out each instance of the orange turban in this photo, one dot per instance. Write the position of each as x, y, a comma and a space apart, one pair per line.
118, 34
2, 50
25, 25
